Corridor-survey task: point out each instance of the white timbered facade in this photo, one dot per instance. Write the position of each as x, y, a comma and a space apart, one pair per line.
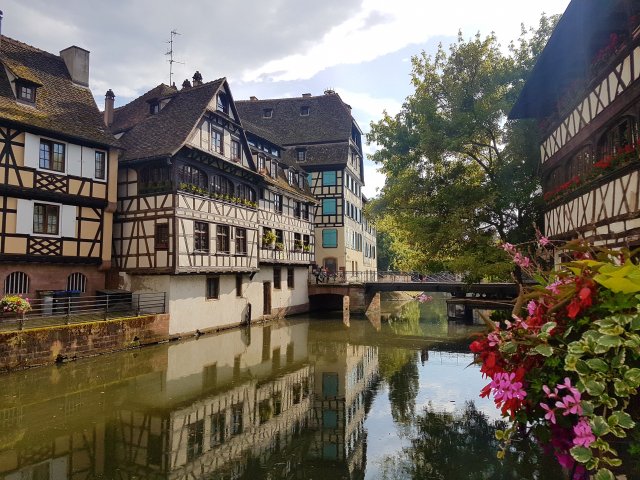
189, 221
58, 167
584, 92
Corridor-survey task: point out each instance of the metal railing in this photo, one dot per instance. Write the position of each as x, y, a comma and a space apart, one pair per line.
375, 276
65, 310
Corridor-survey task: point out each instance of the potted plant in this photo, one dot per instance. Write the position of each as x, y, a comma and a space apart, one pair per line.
297, 245
279, 246
14, 304
268, 239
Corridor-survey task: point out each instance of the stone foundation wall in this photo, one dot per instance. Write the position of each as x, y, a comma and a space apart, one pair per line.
28, 348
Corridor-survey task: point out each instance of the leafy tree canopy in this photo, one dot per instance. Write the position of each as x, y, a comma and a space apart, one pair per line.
460, 176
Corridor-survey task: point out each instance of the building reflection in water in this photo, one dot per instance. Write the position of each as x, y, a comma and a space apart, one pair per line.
277, 401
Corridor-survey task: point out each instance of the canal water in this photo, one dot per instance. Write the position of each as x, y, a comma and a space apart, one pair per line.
305, 398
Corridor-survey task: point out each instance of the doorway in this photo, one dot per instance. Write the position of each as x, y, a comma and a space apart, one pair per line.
266, 298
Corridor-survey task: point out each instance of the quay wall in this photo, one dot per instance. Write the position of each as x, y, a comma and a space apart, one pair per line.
46, 345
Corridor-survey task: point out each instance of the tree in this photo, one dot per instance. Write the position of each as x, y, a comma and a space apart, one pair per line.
459, 174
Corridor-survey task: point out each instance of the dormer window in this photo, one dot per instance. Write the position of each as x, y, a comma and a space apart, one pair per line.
304, 111
301, 155
26, 92
267, 113
223, 103
154, 108
290, 176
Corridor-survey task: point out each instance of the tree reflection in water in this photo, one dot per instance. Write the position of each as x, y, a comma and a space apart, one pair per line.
462, 445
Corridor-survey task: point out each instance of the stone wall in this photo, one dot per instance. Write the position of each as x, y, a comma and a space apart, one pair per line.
28, 348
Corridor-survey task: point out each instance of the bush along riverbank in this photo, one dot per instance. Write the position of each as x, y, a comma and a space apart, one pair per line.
566, 367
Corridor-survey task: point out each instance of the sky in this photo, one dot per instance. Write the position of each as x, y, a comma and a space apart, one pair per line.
362, 49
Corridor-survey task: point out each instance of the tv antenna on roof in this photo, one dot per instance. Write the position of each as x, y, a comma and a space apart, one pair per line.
170, 53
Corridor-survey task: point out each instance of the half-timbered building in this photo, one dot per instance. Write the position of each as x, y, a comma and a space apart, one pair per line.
187, 220
58, 167
584, 91
322, 137
285, 216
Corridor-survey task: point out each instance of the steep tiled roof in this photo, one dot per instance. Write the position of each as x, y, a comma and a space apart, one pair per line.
327, 154
164, 133
329, 118
61, 107
137, 110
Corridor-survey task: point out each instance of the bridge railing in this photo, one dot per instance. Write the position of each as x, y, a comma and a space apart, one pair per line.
388, 276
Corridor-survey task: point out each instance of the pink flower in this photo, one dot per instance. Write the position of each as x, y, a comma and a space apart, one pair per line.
554, 287
550, 415
509, 248
584, 435
531, 307
494, 339
504, 388
522, 261
544, 241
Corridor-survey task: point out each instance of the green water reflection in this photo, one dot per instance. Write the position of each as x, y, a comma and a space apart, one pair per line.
307, 398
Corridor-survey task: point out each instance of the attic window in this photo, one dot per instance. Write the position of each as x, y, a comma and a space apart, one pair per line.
154, 108
301, 155
26, 92
267, 113
223, 103
304, 111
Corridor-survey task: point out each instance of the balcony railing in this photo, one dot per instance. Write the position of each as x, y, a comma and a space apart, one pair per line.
65, 310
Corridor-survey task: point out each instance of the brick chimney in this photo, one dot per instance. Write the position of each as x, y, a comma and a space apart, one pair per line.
109, 98
186, 84
253, 98
197, 79
77, 61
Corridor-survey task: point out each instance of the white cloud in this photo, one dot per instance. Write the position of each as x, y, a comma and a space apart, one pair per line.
374, 180
398, 24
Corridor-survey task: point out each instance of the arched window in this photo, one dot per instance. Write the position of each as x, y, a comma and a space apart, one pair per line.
192, 176
246, 193
618, 136
77, 282
221, 185
16, 283
580, 163
154, 178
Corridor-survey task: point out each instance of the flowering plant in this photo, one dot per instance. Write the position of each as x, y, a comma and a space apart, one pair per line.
14, 303
565, 368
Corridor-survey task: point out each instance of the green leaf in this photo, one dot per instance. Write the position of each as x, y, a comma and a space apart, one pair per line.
618, 360
581, 367
547, 327
581, 454
623, 419
499, 434
598, 365
599, 426
587, 408
610, 341
594, 388
632, 377
544, 350
604, 474
635, 323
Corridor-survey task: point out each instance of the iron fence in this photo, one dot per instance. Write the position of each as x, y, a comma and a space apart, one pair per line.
373, 276
65, 310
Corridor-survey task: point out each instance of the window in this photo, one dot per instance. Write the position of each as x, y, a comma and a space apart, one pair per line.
217, 428
153, 179
290, 176
16, 283
305, 211
216, 141
201, 237
236, 419
273, 169
328, 179
276, 278
195, 440
246, 193
329, 206
330, 238
191, 175
279, 236
77, 282
296, 209
290, 277
241, 241
213, 288
154, 107
101, 164
162, 236
239, 285
235, 150
297, 241
45, 218
619, 135
305, 241
221, 185
222, 239
26, 93
310, 179
262, 161
267, 113
52, 155
222, 104
278, 203
301, 155
304, 111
